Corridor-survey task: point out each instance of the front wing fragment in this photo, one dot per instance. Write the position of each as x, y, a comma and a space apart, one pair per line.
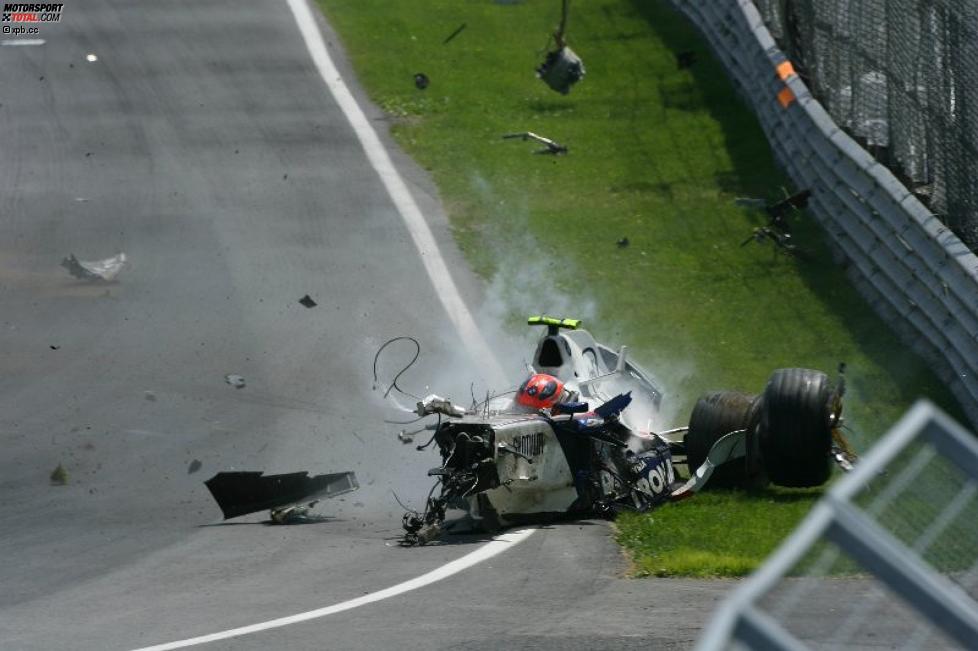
243, 492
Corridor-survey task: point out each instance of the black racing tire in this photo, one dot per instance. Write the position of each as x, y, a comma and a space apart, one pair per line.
796, 427
716, 415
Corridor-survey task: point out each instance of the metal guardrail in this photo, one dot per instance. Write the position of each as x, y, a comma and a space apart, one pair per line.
907, 515
899, 76
913, 270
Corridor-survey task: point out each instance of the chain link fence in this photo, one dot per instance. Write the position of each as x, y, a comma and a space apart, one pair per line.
900, 76
912, 268
887, 559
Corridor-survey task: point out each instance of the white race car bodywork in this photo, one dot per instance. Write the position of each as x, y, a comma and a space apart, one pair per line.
542, 482
599, 373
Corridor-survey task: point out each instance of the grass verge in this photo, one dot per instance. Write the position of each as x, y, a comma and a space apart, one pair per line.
722, 533
657, 155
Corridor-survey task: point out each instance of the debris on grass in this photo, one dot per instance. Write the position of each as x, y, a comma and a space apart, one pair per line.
777, 229
552, 147
454, 34
421, 81
782, 239
59, 476
622, 243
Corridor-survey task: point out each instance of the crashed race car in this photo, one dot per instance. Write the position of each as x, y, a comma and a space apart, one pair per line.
576, 440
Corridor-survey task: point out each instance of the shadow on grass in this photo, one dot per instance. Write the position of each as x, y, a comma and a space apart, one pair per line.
771, 494
663, 189
549, 106
704, 86
754, 173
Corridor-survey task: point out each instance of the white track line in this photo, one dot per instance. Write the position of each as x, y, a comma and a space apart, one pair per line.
487, 551
425, 242
444, 286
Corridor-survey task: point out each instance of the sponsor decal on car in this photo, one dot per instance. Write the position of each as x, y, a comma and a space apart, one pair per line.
656, 475
529, 444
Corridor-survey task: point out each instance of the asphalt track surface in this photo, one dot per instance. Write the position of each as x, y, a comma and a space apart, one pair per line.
203, 143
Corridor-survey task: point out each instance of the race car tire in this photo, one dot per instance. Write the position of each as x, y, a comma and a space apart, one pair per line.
715, 415
795, 430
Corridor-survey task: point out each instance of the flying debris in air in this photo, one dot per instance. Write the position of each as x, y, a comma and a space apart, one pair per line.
95, 270
552, 146
561, 68
777, 229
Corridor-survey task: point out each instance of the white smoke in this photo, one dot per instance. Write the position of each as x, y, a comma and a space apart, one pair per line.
525, 281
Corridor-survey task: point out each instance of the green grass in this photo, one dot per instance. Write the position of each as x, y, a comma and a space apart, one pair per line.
657, 155
718, 533
714, 534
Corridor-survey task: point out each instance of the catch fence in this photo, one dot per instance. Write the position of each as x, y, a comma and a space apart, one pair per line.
888, 558
900, 77
911, 267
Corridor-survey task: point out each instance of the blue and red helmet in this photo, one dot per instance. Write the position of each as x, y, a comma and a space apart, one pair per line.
540, 391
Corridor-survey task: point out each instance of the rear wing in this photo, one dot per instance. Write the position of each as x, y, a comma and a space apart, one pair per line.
554, 324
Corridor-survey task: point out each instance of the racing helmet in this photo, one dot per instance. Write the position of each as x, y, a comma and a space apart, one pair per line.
539, 391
